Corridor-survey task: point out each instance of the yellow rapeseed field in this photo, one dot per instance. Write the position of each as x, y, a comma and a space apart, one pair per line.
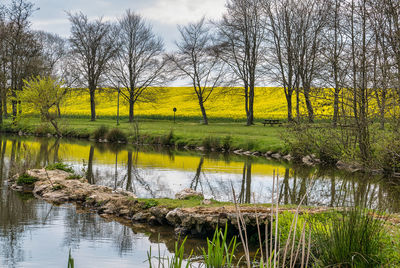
270, 102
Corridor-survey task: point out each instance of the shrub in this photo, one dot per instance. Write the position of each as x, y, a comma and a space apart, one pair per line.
227, 143
210, 143
25, 179
351, 240
116, 135
149, 203
74, 177
43, 129
60, 166
100, 133
168, 139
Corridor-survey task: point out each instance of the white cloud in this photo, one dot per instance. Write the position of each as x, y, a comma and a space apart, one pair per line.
183, 11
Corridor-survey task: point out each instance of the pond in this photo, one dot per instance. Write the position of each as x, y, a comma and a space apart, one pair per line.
34, 233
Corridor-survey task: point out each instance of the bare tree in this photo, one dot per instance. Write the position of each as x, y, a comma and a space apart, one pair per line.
310, 23
139, 64
53, 49
241, 33
281, 46
23, 49
93, 46
334, 53
197, 59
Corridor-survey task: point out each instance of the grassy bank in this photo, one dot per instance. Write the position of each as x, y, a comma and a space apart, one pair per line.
234, 135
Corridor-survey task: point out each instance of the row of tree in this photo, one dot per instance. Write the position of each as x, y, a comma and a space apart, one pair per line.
307, 47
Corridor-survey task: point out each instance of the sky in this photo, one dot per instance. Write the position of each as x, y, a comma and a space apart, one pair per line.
164, 15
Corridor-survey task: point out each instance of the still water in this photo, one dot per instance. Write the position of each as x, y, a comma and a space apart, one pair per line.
34, 233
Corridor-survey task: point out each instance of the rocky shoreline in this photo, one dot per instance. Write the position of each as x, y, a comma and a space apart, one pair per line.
58, 187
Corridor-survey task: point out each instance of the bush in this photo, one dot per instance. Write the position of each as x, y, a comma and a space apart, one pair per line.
25, 179
116, 135
60, 166
43, 129
100, 133
210, 143
352, 240
227, 143
168, 139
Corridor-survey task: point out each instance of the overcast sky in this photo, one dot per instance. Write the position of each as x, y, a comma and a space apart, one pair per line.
164, 15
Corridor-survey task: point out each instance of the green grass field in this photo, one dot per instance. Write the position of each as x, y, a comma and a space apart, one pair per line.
255, 138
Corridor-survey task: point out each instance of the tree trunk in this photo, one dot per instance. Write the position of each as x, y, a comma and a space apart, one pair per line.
203, 111
246, 99
310, 109
250, 115
1, 111
58, 110
336, 107
4, 100
92, 104
289, 105
131, 107
14, 110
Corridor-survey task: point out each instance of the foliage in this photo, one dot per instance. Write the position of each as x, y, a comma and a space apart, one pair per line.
227, 143
70, 260
26, 179
211, 143
116, 135
100, 133
176, 261
304, 140
352, 240
60, 166
219, 253
168, 139
149, 203
74, 177
43, 94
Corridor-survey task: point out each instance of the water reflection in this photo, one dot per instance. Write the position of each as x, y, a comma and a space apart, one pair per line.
159, 173
33, 232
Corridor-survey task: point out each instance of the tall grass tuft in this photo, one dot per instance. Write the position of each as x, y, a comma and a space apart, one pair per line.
116, 135
70, 260
100, 133
351, 240
219, 253
176, 261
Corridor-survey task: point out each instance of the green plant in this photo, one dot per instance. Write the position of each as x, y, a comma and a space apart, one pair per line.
219, 253
351, 240
116, 135
74, 177
149, 203
60, 166
227, 143
168, 139
210, 143
176, 261
100, 133
26, 179
70, 260
57, 187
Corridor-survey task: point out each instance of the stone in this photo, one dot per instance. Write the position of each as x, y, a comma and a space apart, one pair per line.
276, 156
206, 202
307, 160
288, 157
187, 193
